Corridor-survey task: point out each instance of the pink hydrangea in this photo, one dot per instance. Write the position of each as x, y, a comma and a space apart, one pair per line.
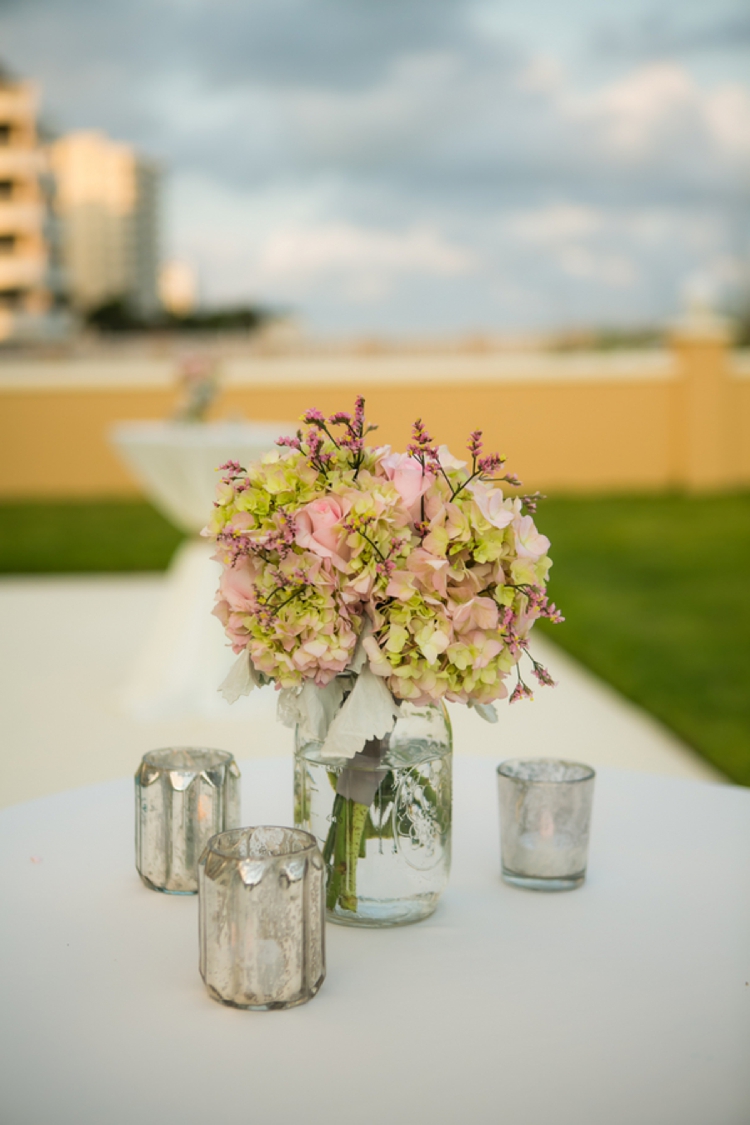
316, 539
410, 479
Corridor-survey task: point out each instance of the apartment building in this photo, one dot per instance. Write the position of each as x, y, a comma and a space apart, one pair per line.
31, 280
178, 288
107, 198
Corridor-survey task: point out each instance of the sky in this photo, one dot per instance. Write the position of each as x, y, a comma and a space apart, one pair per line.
424, 166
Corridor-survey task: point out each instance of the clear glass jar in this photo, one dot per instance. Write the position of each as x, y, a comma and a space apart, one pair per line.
261, 918
382, 820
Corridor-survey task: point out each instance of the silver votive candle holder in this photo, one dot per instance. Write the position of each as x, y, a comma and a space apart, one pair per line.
545, 819
262, 917
184, 795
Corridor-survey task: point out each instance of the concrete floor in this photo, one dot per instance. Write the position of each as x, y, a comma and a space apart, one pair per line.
68, 645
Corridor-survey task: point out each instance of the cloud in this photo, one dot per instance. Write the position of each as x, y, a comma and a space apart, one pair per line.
410, 161
659, 108
558, 223
664, 32
340, 248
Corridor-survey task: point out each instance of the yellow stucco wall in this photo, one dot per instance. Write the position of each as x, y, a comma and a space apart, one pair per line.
681, 419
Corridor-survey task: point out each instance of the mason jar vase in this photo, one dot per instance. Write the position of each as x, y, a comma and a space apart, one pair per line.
382, 819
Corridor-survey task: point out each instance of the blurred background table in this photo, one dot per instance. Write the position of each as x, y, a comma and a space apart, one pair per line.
176, 462
625, 1001
186, 656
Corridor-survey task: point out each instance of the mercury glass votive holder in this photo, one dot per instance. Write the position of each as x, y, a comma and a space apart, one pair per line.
545, 816
262, 917
184, 795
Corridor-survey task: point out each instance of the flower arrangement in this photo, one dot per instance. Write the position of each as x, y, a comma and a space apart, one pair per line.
198, 378
364, 584
416, 572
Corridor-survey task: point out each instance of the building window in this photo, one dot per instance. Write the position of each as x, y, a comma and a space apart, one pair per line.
4, 134
7, 243
6, 189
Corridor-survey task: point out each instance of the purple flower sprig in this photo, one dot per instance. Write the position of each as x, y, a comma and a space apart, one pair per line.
235, 543
232, 470
521, 691
482, 468
317, 455
531, 501
543, 678
541, 673
294, 442
281, 539
355, 429
538, 602
421, 446
422, 449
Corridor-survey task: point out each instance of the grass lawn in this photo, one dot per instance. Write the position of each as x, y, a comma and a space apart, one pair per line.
84, 537
656, 592
656, 595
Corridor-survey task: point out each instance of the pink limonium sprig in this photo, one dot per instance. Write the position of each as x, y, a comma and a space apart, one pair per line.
541, 673
520, 691
293, 442
235, 543
482, 468
538, 602
281, 539
531, 501
318, 456
232, 469
352, 439
542, 676
421, 446
422, 449
355, 430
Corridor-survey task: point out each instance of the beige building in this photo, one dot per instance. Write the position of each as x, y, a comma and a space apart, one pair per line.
178, 288
31, 282
107, 201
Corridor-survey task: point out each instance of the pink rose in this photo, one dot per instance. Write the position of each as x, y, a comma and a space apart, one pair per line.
410, 480
318, 529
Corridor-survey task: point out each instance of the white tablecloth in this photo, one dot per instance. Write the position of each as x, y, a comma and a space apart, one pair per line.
176, 462
185, 657
623, 1003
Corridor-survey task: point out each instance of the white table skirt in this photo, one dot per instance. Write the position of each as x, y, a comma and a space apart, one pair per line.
177, 462
623, 1003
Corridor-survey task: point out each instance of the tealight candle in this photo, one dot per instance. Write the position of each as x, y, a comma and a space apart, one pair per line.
262, 917
183, 796
545, 815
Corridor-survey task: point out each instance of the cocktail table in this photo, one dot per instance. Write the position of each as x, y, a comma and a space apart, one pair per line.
626, 1002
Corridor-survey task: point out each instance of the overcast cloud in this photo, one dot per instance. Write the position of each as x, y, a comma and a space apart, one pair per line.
423, 165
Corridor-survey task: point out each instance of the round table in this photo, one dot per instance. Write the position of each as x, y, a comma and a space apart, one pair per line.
176, 462
186, 655
626, 1002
